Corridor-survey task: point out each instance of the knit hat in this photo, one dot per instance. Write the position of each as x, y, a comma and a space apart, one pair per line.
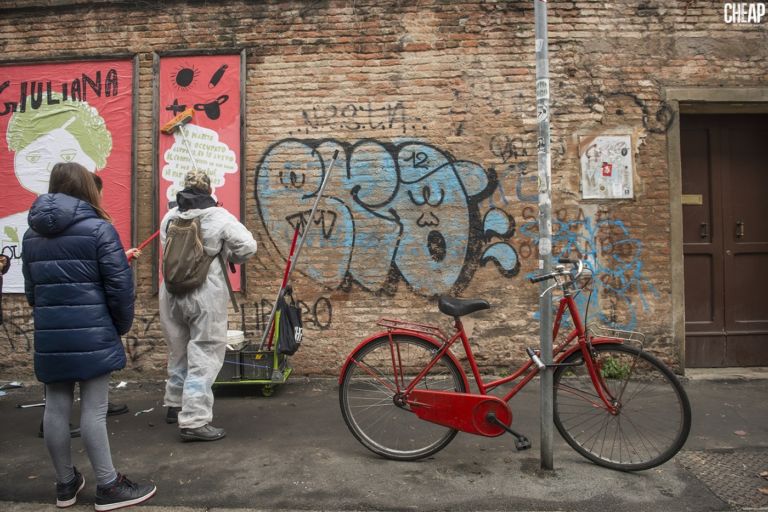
198, 180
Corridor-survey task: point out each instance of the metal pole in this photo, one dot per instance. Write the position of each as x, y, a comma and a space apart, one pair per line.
312, 215
294, 259
186, 144
545, 228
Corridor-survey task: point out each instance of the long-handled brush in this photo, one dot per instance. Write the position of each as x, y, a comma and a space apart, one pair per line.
177, 123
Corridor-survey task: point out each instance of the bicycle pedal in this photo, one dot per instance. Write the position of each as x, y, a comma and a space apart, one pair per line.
522, 444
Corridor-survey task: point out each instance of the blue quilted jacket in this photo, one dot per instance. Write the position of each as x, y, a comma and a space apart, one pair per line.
77, 278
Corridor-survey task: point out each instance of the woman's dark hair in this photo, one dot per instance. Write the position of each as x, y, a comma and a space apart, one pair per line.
74, 180
99, 183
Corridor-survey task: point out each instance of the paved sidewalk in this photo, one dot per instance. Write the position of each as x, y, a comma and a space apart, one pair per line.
292, 451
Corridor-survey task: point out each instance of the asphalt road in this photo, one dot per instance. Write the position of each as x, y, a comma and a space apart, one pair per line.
292, 451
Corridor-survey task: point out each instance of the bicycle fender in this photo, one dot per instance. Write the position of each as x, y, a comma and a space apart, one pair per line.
595, 341
395, 332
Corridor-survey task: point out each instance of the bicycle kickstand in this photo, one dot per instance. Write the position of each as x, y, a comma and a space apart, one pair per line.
521, 442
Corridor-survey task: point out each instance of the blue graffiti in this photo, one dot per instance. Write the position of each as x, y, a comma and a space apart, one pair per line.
613, 256
533, 182
399, 211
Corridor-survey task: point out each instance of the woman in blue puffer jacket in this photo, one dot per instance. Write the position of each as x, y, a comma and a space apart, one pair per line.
77, 279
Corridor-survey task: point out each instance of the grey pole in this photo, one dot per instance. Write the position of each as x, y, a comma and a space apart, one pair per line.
300, 244
545, 228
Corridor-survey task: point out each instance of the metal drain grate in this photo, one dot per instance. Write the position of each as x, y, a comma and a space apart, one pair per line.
732, 475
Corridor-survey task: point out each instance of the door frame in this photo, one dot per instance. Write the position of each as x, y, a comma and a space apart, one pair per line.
695, 100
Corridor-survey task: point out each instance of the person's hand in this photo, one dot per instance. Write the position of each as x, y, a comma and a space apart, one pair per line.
5, 263
132, 253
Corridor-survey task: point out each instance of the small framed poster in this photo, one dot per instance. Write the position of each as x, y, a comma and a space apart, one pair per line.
606, 167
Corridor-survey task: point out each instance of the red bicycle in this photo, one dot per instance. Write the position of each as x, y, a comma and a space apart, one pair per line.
404, 395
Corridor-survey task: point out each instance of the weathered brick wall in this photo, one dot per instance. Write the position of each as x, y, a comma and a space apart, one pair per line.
454, 76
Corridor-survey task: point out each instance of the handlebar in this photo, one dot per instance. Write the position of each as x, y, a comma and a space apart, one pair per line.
560, 271
543, 277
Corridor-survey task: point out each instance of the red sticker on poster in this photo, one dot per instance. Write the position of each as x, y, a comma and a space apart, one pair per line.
79, 111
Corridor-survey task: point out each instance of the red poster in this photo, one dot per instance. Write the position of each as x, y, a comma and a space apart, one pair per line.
63, 112
210, 84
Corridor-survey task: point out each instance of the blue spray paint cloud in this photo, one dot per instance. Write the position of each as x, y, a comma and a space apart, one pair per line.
615, 261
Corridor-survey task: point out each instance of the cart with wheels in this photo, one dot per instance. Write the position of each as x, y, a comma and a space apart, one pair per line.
261, 364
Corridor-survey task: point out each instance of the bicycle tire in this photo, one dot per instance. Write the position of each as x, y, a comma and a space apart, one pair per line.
654, 417
368, 406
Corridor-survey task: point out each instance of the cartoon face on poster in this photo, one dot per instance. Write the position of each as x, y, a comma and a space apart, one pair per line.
63, 112
210, 141
606, 167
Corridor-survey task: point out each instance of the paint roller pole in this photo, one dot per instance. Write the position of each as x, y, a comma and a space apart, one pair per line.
545, 229
186, 143
295, 257
312, 215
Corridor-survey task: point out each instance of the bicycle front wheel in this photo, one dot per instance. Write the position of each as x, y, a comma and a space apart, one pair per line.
653, 416
367, 397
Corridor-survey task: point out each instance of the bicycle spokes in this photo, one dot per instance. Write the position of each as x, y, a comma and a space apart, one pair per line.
650, 419
376, 375
584, 394
377, 414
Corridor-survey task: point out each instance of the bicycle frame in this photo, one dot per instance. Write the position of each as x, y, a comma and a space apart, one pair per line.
443, 345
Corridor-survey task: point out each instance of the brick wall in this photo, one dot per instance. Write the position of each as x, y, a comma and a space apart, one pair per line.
444, 79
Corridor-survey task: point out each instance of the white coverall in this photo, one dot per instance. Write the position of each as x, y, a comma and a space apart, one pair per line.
195, 324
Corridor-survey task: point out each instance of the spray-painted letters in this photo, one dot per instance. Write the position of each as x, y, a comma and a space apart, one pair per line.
391, 212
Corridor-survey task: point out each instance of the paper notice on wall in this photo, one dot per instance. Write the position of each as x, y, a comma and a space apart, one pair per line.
606, 167
202, 150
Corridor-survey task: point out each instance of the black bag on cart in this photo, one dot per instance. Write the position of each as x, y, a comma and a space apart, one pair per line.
288, 326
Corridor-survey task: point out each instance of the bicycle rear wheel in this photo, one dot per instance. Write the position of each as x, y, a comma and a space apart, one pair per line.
367, 397
654, 415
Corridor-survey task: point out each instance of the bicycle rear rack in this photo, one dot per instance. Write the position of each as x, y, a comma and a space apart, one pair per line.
629, 337
392, 323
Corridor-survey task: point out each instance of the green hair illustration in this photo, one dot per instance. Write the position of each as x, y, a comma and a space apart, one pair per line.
77, 117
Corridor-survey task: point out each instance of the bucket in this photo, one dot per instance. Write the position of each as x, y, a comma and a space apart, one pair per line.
235, 340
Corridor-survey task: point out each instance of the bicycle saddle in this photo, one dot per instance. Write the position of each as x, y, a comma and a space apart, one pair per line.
459, 307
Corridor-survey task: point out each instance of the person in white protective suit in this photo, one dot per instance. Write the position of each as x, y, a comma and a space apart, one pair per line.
195, 323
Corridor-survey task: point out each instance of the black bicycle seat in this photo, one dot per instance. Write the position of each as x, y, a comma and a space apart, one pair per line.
454, 306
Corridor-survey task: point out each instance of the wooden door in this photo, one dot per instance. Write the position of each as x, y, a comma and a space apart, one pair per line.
725, 238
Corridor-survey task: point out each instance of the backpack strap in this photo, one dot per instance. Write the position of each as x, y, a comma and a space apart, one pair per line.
168, 225
229, 285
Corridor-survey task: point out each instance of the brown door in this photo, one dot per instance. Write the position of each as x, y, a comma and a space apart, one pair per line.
725, 239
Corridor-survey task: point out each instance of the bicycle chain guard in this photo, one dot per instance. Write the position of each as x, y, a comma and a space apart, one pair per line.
467, 412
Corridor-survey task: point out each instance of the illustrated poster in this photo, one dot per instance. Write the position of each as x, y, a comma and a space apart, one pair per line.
76, 111
210, 84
